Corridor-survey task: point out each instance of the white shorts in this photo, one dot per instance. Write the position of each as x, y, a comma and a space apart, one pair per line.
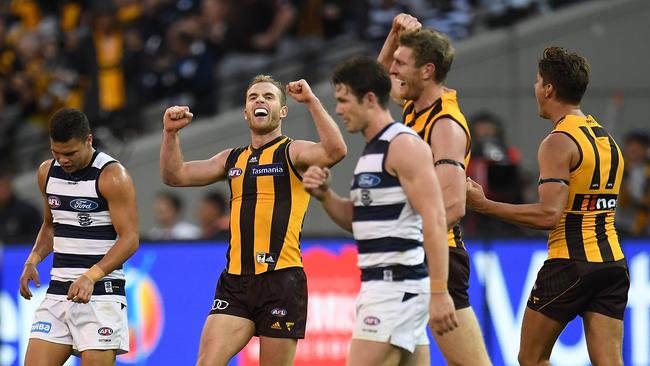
397, 317
97, 325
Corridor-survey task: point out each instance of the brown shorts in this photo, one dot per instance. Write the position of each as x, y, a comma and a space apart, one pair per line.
458, 281
565, 288
275, 301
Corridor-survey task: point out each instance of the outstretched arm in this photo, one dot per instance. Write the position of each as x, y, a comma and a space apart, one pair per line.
331, 148
173, 169
116, 186
556, 154
409, 158
316, 181
44, 243
449, 146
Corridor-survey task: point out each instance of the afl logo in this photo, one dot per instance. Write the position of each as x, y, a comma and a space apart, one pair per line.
105, 331
53, 201
368, 180
234, 173
279, 312
81, 204
371, 320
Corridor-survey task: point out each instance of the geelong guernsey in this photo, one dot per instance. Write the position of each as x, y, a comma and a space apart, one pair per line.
83, 229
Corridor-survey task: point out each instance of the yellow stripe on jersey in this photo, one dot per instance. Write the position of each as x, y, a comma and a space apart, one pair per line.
586, 230
268, 205
422, 122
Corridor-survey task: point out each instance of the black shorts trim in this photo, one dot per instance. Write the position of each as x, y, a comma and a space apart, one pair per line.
458, 280
566, 288
276, 301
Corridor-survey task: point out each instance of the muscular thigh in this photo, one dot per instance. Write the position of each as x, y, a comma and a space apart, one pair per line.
44, 353
464, 345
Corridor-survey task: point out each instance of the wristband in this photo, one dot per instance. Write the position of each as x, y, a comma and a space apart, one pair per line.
95, 273
438, 286
34, 258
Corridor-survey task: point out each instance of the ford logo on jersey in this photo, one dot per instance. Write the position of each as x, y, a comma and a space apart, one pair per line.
234, 173
368, 180
82, 204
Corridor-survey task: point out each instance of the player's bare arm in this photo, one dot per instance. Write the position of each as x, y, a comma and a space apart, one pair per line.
331, 148
401, 23
317, 181
44, 240
407, 155
117, 187
557, 154
174, 170
449, 146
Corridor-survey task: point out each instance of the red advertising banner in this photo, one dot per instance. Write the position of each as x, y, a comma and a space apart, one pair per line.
333, 280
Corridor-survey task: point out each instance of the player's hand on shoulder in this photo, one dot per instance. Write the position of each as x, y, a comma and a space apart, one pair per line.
316, 181
300, 91
405, 23
176, 117
30, 273
475, 194
442, 314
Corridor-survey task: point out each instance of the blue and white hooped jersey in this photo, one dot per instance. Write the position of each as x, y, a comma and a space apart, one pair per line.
387, 229
83, 229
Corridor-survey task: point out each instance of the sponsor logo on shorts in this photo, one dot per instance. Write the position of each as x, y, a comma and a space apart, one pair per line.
275, 169
42, 327
276, 325
82, 204
279, 312
105, 331
108, 287
219, 304
234, 173
289, 325
53, 201
368, 180
371, 320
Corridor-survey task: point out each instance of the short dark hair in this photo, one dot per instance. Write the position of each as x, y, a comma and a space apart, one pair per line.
363, 75
218, 200
269, 79
69, 123
640, 137
175, 201
567, 71
430, 46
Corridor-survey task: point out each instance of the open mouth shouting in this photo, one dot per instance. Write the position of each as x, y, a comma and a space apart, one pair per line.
260, 112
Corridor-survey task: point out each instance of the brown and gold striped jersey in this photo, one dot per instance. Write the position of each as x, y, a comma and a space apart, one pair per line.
422, 122
586, 230
268, 205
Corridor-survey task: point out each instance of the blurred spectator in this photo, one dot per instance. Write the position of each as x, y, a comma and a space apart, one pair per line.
105, 58
452, 17
495, 165
256, 26
633, 212
19, 219
378, 18
167, 211
323, 19
214, 217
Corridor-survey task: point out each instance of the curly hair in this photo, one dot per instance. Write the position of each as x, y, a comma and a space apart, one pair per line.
567, 71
